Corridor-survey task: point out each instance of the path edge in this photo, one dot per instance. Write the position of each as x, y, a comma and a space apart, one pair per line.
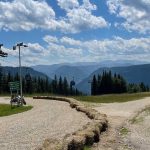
87, 136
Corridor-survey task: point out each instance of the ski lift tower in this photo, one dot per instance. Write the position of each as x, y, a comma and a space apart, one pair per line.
19, 45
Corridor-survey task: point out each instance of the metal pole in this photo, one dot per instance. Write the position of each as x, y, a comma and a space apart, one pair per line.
20, 74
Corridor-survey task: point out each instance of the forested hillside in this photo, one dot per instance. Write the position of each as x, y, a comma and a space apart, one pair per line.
132, 74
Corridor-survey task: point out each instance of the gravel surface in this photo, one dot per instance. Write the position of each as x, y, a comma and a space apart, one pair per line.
118, 116
47, 119
126, 109
139, 132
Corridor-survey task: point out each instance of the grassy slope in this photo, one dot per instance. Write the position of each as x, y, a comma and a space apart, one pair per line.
113, 97
5, 109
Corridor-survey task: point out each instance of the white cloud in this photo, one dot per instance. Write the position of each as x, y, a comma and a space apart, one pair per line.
35, 49
68, 4
80, 17
49, 39
135, 12
62, 51
96, 50
71, 50
70, 41
37, 14
26, 15
89, 6
74, 4
33, 54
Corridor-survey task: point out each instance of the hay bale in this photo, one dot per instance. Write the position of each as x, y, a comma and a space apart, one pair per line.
76, 142
38, 148
91, 113
52, 144
100, 116
95, 128
82, 108
88, 135
74, 104
103, 124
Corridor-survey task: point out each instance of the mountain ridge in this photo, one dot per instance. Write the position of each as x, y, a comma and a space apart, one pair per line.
132, 74
25, 70
79, 70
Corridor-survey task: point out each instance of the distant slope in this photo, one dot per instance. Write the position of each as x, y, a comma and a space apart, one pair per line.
70, 72
133, 74
14, 70
78, 72
47, 69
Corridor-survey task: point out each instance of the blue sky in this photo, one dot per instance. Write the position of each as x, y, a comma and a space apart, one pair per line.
59, 31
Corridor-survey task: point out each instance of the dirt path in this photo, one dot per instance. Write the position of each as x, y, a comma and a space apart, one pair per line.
139, 131
47, 119
118, 116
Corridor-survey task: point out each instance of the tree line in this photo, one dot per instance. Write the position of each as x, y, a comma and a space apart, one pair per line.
63, 87
107, 83
59, 86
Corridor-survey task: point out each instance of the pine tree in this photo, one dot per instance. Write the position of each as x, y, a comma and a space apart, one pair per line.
54, 85
16, 78
65, 86
99, 84
107, 84
46, 85
94, 86
142, 87
60, 86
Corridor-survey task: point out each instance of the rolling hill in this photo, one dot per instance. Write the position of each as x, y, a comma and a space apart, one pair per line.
14, 70
70, 72
79, 70
132, 74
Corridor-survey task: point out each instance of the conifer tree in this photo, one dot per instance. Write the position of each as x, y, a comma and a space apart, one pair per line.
94, 86
65, 86
60, 86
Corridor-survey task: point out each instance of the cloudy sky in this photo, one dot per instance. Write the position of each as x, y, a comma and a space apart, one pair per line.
59, 31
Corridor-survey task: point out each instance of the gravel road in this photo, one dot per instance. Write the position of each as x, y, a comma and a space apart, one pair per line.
47, 119
118, 115
139, 131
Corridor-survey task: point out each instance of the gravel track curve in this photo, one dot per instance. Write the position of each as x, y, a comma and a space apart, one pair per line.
118, 115
47, 119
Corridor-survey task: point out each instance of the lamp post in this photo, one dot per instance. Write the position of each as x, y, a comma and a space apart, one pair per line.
19, 45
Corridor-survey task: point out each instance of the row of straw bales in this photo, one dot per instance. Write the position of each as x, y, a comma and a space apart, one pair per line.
89, 134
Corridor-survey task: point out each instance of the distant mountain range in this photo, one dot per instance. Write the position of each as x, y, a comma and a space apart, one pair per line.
70, 72
80, 70
133, 74
14, 70
83, 72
